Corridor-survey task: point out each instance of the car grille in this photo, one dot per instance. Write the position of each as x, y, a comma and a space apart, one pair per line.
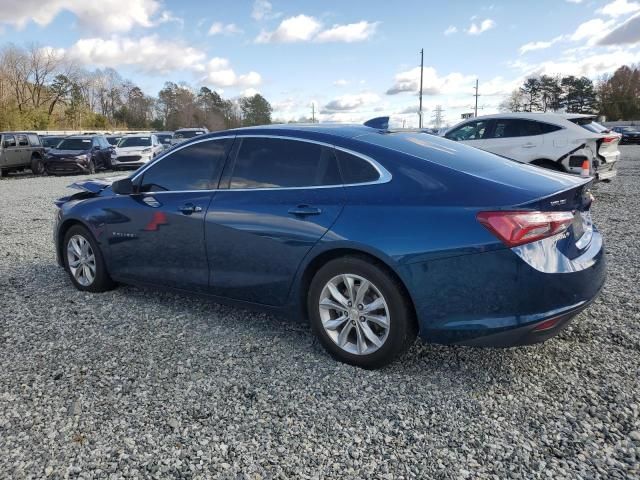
62, 166
129, 158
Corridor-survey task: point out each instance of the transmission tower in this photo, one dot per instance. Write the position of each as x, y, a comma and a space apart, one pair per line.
437, 116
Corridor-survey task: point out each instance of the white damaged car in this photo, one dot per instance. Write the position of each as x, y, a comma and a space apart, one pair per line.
132, 151
562, 142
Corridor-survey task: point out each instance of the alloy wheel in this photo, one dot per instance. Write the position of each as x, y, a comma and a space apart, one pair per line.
354, 314
81, 260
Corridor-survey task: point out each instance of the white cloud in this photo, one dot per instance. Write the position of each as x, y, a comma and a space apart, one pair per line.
532, 46
350, 102
249, 92
303, 28
478, 28
627, 32
574, 1
592, 30
263, 10
352, 32
433, 84
618, 8
219, 28
451, 29
103, 15
219, 73
293, 29
149, 54
341, 82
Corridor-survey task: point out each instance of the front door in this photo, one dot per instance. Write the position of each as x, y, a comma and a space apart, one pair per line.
282, 196
10, 151
157, 234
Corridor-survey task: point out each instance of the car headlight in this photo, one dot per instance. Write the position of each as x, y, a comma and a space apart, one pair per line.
146, 150
82, 157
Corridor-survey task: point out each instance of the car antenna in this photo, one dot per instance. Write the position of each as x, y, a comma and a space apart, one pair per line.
381, 123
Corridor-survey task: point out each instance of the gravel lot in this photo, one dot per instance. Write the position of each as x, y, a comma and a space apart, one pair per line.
136, 383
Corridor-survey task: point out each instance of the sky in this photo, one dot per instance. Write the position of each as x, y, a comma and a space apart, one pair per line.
352, 60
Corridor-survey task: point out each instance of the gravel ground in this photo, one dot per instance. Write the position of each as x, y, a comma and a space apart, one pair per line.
136, 383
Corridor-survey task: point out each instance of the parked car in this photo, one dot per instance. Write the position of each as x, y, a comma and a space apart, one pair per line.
164, 138
134, 151
79, 154
556, 141
186, 133
50, 141
629, 134
20, 151
113, 139
372, 235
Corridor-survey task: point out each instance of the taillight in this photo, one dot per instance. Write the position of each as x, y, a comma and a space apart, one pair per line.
519, 227
609, 139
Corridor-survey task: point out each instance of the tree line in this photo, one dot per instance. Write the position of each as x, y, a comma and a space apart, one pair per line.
615, 96
41, 89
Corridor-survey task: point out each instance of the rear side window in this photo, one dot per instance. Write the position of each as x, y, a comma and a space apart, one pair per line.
281, 163
22, 141
512, 127
548, 128
195, 167
355, 169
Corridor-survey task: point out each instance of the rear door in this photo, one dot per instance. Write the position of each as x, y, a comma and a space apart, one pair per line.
24, 149
282, 196
157, 235
516, 138
10, 151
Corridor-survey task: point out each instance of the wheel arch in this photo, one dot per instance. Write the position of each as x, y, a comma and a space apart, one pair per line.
62, 231
314, 264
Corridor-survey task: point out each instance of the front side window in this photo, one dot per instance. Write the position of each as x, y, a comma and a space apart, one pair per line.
195, 167
22, 141
282, 163
469, 131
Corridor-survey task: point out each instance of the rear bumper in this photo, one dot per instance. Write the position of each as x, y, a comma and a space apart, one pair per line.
498, 299
606, 171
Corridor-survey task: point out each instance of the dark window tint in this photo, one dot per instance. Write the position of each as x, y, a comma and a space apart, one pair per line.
469, 131
508, 128
273, 162
195, 167
22, 141
9, 141
548, 128
355, 169
75, 144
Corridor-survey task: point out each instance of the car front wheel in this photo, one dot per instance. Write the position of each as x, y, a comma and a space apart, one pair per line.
360, 313
84, 262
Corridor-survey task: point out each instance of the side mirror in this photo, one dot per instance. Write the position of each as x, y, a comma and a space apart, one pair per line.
122, 187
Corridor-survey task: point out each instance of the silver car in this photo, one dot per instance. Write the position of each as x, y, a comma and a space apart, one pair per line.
133, 151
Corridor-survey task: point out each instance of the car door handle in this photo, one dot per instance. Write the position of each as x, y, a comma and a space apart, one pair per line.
189, 208
528, 145
304, 210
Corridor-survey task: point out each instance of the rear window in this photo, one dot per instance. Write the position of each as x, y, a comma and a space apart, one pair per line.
589, 124
75, 144
189, 134
34, 140
135, 142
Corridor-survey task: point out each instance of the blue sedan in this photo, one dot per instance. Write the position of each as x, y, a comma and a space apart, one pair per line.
373, 235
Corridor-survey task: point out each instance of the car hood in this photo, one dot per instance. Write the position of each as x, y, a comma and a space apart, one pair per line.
66, 153
95, 185
131, 149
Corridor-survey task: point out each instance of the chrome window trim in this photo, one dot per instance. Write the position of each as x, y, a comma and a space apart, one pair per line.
384, 175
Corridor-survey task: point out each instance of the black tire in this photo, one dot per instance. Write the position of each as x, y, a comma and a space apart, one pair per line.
37, 165
402, 329
91, 166
102, 281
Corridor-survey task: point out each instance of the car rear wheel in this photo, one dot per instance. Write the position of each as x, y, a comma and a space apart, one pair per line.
360, 313
84, 262
37, 166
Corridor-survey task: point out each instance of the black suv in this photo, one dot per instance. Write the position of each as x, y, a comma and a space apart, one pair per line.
79, 154
21, 150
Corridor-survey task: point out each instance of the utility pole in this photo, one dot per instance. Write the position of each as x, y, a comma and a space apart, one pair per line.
421, 71
475, 114
313, 112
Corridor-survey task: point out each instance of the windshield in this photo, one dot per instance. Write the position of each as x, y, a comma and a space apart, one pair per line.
188, 134
75, 144
135, 142
113, 140
51, 142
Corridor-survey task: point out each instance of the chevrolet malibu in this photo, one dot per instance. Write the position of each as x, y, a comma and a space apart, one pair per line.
372, 235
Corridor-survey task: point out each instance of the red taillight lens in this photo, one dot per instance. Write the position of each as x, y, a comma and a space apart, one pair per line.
609, 139
517, 228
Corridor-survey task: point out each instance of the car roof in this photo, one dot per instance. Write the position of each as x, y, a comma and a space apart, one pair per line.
14, 133
84, 136
323, 129
534, 116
